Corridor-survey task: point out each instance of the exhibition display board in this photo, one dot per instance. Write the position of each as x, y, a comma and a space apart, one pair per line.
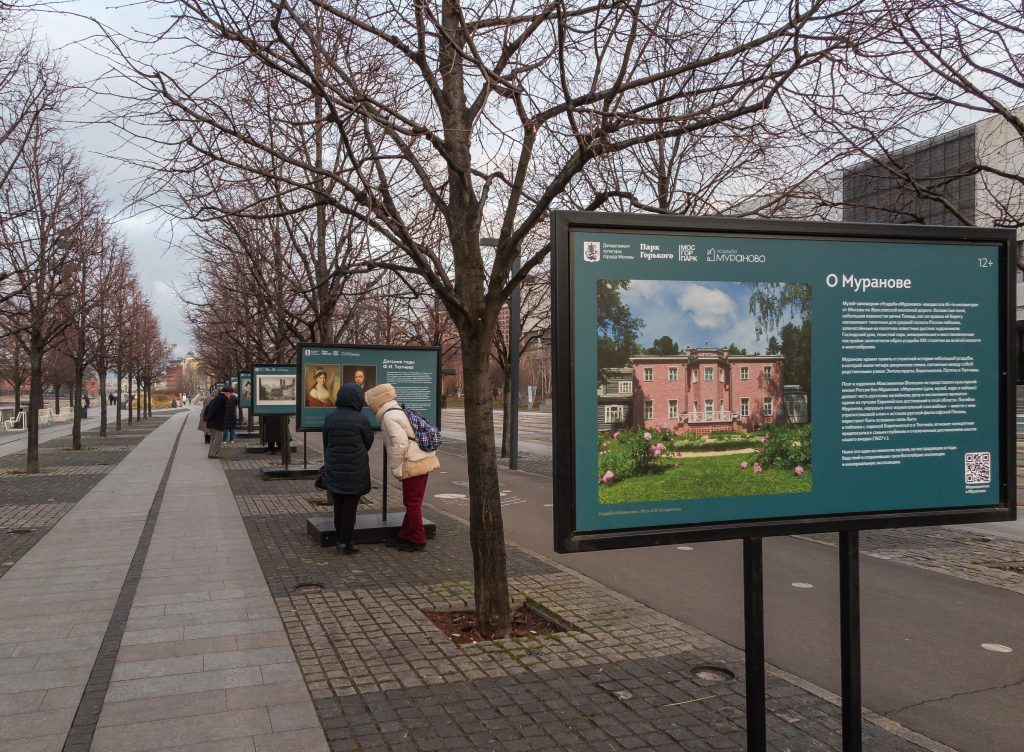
244, 382
323, 368
273, 389
720, 378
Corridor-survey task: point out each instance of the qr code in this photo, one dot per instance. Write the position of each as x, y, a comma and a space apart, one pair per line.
977, 467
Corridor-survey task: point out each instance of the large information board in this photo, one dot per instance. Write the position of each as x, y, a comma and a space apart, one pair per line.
273, 389
413, 371
723, 378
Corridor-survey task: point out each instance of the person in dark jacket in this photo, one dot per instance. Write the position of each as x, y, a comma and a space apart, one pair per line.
347, 437
230, 419
214, 415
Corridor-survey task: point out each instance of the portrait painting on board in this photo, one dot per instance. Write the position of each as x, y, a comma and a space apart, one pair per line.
321, 383
364, 377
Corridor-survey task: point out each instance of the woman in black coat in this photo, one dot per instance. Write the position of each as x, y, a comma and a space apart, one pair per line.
347, 437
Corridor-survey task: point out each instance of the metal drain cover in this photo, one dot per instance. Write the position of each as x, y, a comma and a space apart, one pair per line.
712, 674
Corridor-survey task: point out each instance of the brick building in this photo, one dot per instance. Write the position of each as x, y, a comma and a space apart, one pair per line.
706, 389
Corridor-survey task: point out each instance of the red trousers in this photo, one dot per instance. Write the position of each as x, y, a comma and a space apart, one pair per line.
412, 497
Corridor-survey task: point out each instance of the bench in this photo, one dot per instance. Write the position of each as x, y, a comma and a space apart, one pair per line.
64, 417
12, 424
44, 416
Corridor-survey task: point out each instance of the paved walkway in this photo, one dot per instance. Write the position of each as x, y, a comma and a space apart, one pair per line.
142, 621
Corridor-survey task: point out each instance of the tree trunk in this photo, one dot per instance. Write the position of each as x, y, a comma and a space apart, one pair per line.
138, 399
56, 399
17, 398
129, 399
119, 401
486, 530
76, 429
76, 426
149, 398
103, 400
35, 403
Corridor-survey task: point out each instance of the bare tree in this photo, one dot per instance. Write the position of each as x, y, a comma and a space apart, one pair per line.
473, 113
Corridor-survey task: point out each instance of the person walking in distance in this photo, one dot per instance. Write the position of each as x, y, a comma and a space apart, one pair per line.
214, 414
230, 417
347, 438
407, 461
202, 415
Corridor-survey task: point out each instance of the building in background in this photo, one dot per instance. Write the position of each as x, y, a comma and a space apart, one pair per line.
970, 176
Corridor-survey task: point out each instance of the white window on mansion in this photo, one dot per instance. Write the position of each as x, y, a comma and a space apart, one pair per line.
648, 374
768, 407
614, 413
744, 407
673, 374
744, 373
673, 409
648, 409
709, 373
709, 408
767, 372
625, 387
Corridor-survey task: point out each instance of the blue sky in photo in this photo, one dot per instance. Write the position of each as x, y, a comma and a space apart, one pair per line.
693, 313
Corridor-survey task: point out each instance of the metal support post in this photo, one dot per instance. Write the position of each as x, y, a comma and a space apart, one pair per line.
305, 464
384, 487
753, 627
514, 327
849, 620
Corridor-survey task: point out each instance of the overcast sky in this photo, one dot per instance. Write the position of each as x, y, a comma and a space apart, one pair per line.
693, 313
159, 265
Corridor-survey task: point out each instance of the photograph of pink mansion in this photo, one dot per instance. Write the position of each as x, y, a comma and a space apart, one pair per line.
700, 390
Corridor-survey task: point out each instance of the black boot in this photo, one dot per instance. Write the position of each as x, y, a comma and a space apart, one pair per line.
350, 549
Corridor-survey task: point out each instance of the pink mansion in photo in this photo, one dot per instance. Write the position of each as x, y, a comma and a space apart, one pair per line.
700, 390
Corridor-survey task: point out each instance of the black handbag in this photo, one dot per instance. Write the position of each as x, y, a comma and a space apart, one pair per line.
321, 479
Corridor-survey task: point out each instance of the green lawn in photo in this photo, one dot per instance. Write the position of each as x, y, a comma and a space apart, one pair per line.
704, 477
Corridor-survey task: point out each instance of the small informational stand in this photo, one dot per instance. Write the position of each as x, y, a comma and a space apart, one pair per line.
414, 372
273, 399
908, 367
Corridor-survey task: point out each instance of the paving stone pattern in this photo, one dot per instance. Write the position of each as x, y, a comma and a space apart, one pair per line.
36, 503
383, 677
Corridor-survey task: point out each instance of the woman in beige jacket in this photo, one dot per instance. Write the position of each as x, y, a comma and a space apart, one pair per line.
407, 461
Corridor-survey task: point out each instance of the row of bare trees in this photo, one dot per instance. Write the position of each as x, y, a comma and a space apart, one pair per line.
341, 161
70, 300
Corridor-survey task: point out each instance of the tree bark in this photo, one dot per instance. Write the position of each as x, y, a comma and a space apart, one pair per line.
35, 403
129, 398
103, 401
56, 399
506, 409
486, 530
119, 401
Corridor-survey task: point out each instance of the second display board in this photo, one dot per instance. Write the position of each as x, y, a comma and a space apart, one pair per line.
322, 369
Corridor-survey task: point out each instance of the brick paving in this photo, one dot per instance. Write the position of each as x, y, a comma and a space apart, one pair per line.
30, 505
381, 675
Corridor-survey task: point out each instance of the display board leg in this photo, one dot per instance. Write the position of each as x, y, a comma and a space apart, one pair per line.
753, 627
286, 440
305, 464
849, 619
384, 486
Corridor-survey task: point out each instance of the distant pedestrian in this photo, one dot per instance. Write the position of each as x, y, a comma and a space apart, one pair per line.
111, 399
230, 416
347, 438
408, 463
215, 414
85, 408
202, 415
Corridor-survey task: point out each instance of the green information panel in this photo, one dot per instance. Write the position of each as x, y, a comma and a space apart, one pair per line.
244, 381
273, 389
727, 376
413, 371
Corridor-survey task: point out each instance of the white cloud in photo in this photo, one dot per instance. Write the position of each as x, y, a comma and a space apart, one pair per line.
709, 308
694, 313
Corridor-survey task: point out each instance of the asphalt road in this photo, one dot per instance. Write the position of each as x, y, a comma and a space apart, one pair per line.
923, 664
